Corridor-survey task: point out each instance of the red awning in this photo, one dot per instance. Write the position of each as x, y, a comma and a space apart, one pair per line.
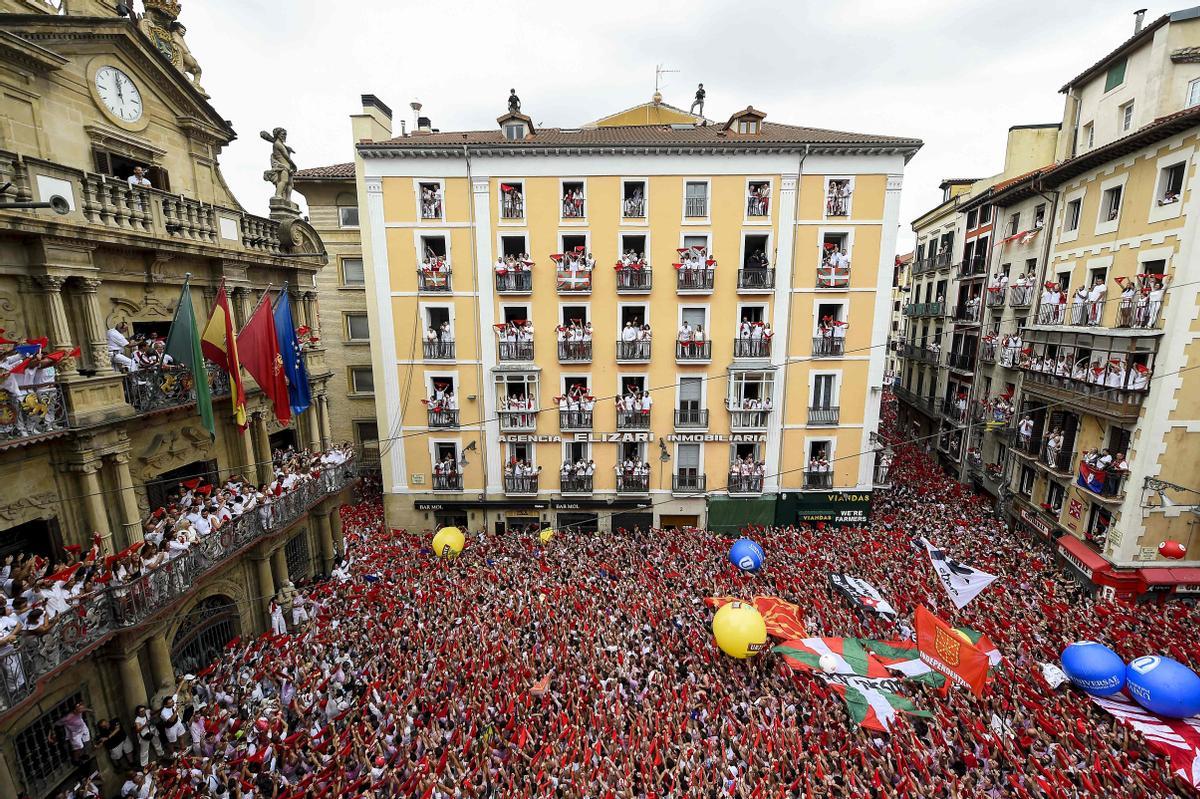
1160, 576
1075, 548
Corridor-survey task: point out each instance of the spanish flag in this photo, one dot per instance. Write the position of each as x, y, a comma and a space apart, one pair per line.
219, 345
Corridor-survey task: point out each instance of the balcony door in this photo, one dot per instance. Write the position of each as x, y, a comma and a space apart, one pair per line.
824, 388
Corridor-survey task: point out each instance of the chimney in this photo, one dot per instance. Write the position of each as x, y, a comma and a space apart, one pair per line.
1139, 16
424, 125
375, 121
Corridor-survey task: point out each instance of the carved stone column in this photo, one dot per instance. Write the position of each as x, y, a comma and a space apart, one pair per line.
298, 308
326, 432
160, 663
131, 515
93, 321
280, 566
133, 687
335, 524
266, 588
93, 505
310, 312
56, 312
324, 538
210, 299
242, 306
262, 448
314, 427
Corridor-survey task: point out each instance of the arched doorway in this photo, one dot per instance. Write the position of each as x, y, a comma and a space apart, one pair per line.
282, 439
205, 631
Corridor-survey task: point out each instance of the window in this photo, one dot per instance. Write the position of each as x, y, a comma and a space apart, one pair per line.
1193, 93
985, 214
366, 433
1014, 224
1074, 207
121, 167
512, 200
1111, 204
633, 199
688, 461
513, 246
1126, 116
352, 272
1054, 497
1039, 216
348, 216
696, 241
1087, 135
431, 200
690, 393
514, 131
972, 219
747, 126
1099, 519
823, 386
1027, 480
1170, 183
1115, 76
695, 199
357, 328
42, 750
362, 380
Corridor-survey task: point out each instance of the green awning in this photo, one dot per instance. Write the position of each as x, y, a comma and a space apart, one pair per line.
731, 516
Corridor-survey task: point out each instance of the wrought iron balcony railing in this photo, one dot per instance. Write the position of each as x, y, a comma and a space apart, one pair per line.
447, 482
574, 351
752, 348
515, 350
574, 420
687, 483
431, 282
39, 411
633, 350
634, 281
755, 279
829, 346
514, 282
633, 420
818, 479
525, 484
575, 484
170, 386
691, 418
828, 415
633, 483
694, 351
438, 350
517, 421
742, 420
745, 484
695, 280
441, 417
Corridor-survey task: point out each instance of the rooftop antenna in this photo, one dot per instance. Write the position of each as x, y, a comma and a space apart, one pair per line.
415, 105
659, 71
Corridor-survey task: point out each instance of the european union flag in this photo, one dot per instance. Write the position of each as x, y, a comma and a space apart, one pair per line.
299, 394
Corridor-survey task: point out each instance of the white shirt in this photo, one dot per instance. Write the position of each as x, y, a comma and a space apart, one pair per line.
116, 340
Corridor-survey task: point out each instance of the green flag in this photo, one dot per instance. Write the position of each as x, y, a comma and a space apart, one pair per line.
183, 345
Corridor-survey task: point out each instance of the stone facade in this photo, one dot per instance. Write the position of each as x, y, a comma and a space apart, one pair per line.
95, 449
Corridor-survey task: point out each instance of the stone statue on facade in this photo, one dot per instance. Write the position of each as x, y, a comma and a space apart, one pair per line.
514, 102
699, 101
160, 24
188, 64
282, 171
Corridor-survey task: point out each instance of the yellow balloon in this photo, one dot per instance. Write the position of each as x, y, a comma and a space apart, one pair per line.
448, 542
740, 630
546, 535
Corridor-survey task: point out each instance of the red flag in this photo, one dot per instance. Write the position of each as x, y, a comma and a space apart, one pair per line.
219, 345
948, 652
260, 355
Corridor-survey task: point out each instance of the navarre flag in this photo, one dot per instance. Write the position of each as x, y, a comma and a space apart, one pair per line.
1177, 739
299, 394
950, 652
783, 619
872, 698
861, 594
962, 582
258, 345
1090, 478
183, 345
219, 345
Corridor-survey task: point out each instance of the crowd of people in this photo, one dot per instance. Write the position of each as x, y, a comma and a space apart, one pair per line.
758, 199
439, 340
577, 475
746, 475
837, 197
434, 271
634, 341
573, 204
431, 201
1083, 365
633, 270
634, 402
518, 410
584, 668
515, 339
521, 476
575, 269
442, 403
514, 272
29, 402
831, 336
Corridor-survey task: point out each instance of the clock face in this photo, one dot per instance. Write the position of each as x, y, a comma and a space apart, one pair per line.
118, 93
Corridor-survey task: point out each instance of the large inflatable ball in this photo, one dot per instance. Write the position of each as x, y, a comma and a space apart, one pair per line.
1094, 667
1164, 686
740, 630
448, 542
747, 555
545, 535
1172, 549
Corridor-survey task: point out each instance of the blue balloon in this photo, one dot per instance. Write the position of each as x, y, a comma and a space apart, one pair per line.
1164, 686
747, 555
1094, 667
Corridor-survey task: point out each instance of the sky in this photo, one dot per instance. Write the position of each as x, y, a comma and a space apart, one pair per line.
953, 73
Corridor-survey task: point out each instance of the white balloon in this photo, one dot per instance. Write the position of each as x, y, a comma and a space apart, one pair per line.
828, 663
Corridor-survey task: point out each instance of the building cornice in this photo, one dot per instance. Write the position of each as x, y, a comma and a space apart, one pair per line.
380, 151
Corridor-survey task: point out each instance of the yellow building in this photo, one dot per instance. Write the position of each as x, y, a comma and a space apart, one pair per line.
745, 207
92, 449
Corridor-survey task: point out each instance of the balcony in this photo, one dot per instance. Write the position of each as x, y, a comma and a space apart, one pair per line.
1118, 403
118, 607
954, 412
968, 312
631, 280
987, 352
833, 277
574, 351
633, 483
925, 309
824, 416
447, 482
693, 351
747, 421
438, 350
633, 208
514, 282
633, 420
170, 387
441, 417
695, 207
975, 266
918, 353
508, 351
573, 283
745, 484
962, 361
882, 470
574, 207
756, 281
691, 418
512, 204
574, 420
1058, 461
517, 421
995, 299
434, 282
752, 348
1106, 484
633, 351
40, 411
818, 480
523, 485
942, 261
1020, 296
927, 405
695, 281
829, 346
687, 484
575, 484
758, 205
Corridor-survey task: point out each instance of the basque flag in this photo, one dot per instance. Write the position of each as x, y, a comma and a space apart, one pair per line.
1091, 478
299, 394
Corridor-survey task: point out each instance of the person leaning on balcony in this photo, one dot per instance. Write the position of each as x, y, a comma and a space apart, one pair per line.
10, 633
1096, 301
118, 345
139, 179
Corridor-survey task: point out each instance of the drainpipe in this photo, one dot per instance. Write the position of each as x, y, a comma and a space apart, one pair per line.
786, 334
481, 380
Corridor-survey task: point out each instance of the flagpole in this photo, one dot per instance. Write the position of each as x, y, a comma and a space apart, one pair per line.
282, 290
266, 293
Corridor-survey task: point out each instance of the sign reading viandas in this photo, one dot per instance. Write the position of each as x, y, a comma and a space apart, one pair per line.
851, 508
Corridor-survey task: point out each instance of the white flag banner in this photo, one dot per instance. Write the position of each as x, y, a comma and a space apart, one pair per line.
962, 582
861, 594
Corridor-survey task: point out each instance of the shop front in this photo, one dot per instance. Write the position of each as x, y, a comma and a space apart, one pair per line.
839, 508
1034, 525
730, 517
1161, 583
1094, 572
